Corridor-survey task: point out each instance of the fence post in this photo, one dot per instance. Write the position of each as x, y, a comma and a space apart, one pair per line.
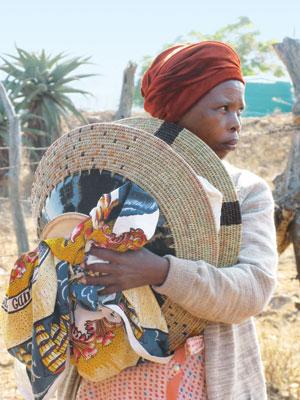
14, 171
287, 185
127, 92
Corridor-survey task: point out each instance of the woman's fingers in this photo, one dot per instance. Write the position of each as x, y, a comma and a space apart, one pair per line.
104, 280
102, 268
105, 254
108, 281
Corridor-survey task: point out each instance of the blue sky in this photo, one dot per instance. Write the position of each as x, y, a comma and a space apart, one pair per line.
116, 31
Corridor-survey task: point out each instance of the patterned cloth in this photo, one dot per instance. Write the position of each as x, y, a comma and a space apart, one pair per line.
183, 378
50, 317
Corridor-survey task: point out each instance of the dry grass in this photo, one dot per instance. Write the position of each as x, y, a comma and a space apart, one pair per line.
280, 352
279, 334
263, 149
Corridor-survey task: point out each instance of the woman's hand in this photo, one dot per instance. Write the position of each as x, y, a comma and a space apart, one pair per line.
126, 270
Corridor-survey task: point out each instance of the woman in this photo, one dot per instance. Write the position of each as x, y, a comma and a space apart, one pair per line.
200, 87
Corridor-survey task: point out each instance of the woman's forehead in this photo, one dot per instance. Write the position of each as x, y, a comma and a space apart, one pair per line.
230, 91
232, 87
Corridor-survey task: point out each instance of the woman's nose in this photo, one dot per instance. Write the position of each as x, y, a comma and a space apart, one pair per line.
235, 122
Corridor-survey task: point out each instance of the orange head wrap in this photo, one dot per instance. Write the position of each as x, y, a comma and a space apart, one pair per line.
183, 74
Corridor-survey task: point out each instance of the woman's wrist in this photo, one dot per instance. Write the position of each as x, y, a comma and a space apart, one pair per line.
163, 271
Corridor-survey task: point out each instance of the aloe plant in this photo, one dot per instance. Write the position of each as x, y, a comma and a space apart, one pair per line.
39, 87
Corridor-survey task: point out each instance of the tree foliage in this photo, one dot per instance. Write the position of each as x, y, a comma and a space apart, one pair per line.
39, 87
256, 56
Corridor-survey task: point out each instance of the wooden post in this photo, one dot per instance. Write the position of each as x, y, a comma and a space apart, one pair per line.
289, 53
287, 185
287, 199
127, 92
14, 172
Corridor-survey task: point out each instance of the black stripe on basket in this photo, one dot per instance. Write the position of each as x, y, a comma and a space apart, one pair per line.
231, 213
168, 132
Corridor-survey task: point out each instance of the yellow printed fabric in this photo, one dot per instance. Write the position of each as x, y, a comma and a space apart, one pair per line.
49, 317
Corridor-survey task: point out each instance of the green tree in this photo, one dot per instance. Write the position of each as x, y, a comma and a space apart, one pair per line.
256, 56
39, 87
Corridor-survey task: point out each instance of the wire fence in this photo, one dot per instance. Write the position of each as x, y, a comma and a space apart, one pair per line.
7, 199
25, 147
18, 166
7, 168
4, 257
7, 256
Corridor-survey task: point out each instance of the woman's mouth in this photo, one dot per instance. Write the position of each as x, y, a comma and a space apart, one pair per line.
230, 145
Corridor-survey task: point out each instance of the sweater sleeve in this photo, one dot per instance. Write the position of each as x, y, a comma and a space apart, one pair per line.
232, 294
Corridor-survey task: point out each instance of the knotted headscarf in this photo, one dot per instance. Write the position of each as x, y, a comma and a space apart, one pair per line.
181, 75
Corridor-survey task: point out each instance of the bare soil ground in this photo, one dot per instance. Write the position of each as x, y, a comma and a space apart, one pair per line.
263, 149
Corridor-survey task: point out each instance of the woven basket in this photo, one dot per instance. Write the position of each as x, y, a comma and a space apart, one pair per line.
155, 167
205, 163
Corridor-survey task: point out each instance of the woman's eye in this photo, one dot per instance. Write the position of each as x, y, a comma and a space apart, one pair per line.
224, 108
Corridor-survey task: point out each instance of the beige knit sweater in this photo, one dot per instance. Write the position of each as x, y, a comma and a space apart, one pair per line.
230, 297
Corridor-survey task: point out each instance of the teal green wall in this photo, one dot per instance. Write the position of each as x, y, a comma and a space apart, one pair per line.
264, 98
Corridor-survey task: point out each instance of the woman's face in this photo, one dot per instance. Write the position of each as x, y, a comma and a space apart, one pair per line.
216, 118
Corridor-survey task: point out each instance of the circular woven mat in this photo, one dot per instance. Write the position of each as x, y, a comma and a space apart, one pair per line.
205, 163
157, 169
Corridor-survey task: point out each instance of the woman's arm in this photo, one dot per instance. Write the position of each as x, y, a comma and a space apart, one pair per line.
227, 295
232, 294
